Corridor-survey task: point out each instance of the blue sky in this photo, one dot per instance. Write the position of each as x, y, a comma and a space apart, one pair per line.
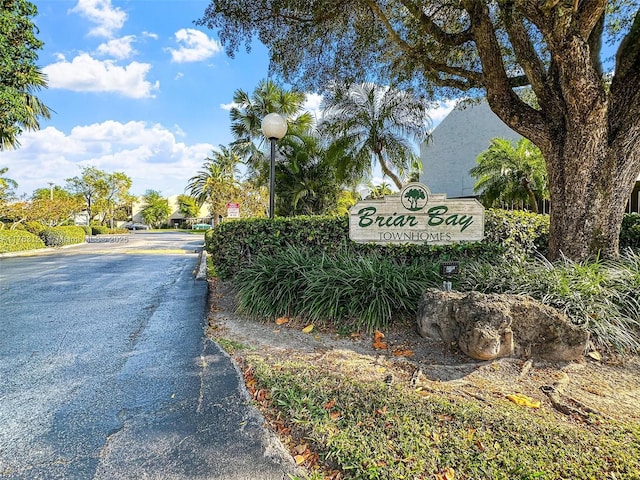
136, 87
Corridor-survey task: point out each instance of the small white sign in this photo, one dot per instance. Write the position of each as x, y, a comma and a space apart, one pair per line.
416, 215
233, 210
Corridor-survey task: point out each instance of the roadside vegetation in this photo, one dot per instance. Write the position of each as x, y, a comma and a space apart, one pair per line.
360, 428
343, 420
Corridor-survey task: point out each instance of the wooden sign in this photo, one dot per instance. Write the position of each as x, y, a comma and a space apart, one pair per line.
415, 215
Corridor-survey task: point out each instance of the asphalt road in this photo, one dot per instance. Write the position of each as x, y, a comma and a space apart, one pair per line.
105, 371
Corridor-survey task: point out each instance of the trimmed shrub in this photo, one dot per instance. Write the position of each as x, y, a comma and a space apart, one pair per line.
34, 227
87, 229
19, 240
630, 231
519, 231
99, 230
234, 245
60, 236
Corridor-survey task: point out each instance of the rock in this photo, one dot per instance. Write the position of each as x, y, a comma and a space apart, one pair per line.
488, 326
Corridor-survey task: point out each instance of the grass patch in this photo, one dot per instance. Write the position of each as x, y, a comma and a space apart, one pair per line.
230, 346
371, 430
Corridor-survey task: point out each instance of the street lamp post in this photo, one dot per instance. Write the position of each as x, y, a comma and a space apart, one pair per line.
274, 127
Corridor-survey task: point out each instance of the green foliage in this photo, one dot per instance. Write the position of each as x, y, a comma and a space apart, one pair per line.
362, 292
630, 231
88, 230
370, 123
34, 227
234, 245
60, 236
155, 209
511, 175
99, 230
388, 432
518, 231
19, 74
19, 240
603, 296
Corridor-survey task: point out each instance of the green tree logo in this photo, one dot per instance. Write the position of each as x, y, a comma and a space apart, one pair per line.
414, 197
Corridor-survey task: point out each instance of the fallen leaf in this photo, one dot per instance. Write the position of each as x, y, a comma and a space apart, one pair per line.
446, 474
334, 415
329, 405
300, 449
378, 336
299, 459
308, 329
379, 345
523, 400
402, 353
282, 320
595, 355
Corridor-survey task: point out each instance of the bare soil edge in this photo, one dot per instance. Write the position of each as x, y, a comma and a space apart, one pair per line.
570, 390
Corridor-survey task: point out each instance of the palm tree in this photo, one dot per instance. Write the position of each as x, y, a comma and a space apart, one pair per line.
249, 110
216, 182
368, 123
305, 181
511, 175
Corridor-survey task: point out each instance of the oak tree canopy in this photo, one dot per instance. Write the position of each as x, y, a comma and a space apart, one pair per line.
586, 121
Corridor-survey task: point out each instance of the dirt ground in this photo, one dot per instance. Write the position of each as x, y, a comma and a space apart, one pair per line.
609, 386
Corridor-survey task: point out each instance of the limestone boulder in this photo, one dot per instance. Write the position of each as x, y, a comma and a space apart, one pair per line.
488, 326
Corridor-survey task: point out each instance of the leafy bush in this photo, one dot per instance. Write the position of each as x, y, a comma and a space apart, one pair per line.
59, 236
630, 231
88, 230
234, 245
19, 240
34, 227
359, 291
99, 230
520, 232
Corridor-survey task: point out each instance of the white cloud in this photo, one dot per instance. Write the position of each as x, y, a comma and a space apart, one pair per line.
228, 106
119, 48
441, 111
86, 74
312, 103
148, 153
108, 19
195, 46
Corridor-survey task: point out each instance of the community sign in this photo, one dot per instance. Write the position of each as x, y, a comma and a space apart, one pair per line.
416, 215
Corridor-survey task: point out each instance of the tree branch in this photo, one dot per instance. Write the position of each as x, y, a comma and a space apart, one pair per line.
432, 29
524, 50
473, 79
501, 97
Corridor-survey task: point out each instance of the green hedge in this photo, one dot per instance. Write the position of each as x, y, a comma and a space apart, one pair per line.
234, 244
59, 236
630, 232
19, 240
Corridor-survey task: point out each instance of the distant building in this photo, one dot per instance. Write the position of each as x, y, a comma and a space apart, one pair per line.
458, 140
176, 218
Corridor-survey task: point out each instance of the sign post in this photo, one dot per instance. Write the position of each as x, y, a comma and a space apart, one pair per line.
233, 210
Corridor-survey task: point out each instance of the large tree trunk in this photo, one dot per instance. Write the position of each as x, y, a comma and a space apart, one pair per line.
588, 197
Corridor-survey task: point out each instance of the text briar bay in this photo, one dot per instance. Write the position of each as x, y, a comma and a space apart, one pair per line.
435, 217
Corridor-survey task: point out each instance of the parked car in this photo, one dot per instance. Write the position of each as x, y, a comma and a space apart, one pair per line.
136, 226
201, 226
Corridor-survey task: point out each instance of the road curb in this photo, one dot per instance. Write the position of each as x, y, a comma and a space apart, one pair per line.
201, 273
